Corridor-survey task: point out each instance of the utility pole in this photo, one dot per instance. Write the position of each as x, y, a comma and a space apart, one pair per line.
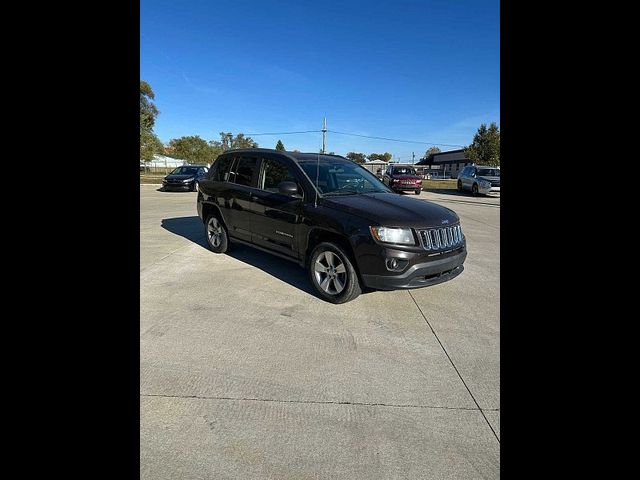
324, 135
413, 157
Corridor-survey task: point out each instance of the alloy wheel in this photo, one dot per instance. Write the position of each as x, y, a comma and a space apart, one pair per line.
214, 232
330, 273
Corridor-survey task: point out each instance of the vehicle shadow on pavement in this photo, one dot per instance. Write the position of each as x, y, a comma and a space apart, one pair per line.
448, 191
192, 229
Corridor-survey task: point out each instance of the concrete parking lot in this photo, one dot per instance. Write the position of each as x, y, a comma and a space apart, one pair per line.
245, 373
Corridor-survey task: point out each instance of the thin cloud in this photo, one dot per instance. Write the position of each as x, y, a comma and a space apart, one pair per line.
199, 88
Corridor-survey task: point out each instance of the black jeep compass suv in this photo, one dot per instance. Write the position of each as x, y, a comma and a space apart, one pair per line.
331, 216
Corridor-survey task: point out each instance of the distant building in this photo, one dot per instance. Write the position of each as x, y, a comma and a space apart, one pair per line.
448, 163
160, 161
375, 165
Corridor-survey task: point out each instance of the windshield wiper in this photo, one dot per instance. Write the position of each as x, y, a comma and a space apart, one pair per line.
340, 193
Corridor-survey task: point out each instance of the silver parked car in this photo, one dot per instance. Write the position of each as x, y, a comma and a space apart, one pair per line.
479, 179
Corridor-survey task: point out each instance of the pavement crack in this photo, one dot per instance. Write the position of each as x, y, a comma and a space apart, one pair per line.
166, 256
455, 368
483, 223
313, 402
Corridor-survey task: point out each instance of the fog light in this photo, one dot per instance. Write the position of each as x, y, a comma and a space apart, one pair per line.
396, 264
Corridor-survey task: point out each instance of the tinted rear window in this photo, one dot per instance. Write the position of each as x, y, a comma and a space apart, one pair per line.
246, 170
221, 169
404, 171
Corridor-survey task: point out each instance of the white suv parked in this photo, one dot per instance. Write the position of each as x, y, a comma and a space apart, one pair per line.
479, 179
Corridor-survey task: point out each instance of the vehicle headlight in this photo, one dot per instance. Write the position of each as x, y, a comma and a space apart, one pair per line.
393, 235
187, 180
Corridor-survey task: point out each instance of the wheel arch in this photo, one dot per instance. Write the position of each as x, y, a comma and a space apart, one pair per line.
208, 209
317, 236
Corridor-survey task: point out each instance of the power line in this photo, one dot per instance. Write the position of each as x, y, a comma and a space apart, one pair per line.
281, 133
355, 135
394, 139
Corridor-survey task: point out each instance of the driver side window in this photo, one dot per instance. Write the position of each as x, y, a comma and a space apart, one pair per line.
273, 173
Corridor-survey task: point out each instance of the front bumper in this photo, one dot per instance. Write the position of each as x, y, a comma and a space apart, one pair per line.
483, 190
176, 186
422, 274
406, 187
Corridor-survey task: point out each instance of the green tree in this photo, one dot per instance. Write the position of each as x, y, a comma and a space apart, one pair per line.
193, 149
227, 140
386, 157
485, 149
148, 110
216, 148
431, 151
280, 145
240, 141
356, 157
150, 144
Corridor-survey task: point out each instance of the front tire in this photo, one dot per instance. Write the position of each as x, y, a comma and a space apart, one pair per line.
332, 274
216, 232
459, 186
417, 192
196, 187
474, 190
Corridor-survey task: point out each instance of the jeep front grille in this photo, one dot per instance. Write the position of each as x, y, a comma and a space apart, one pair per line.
441, 238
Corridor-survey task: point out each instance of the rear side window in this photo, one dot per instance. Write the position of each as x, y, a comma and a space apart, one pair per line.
274, 172
246, 171
220, 169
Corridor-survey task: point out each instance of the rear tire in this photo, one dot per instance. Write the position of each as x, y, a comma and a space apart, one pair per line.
332, 274
216, 232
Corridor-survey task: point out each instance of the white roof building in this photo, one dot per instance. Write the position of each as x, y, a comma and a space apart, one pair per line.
160, 161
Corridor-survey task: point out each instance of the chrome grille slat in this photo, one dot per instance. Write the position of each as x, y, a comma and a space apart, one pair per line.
441, 238
426, 240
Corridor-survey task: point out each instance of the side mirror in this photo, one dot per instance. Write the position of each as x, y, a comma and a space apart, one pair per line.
288, 188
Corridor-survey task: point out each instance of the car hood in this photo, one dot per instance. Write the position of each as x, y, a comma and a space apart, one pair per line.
178, 177
393, 210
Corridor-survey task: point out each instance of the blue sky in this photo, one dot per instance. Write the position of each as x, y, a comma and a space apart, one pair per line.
415, 70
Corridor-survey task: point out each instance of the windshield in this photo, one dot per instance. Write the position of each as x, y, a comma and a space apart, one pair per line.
488, 172
185, 171
404, 171
341, 177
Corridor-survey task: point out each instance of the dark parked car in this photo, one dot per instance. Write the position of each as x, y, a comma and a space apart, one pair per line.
402, 178
331, 216
187, 176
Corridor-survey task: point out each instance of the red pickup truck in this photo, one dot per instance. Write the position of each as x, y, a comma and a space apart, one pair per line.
402, 178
